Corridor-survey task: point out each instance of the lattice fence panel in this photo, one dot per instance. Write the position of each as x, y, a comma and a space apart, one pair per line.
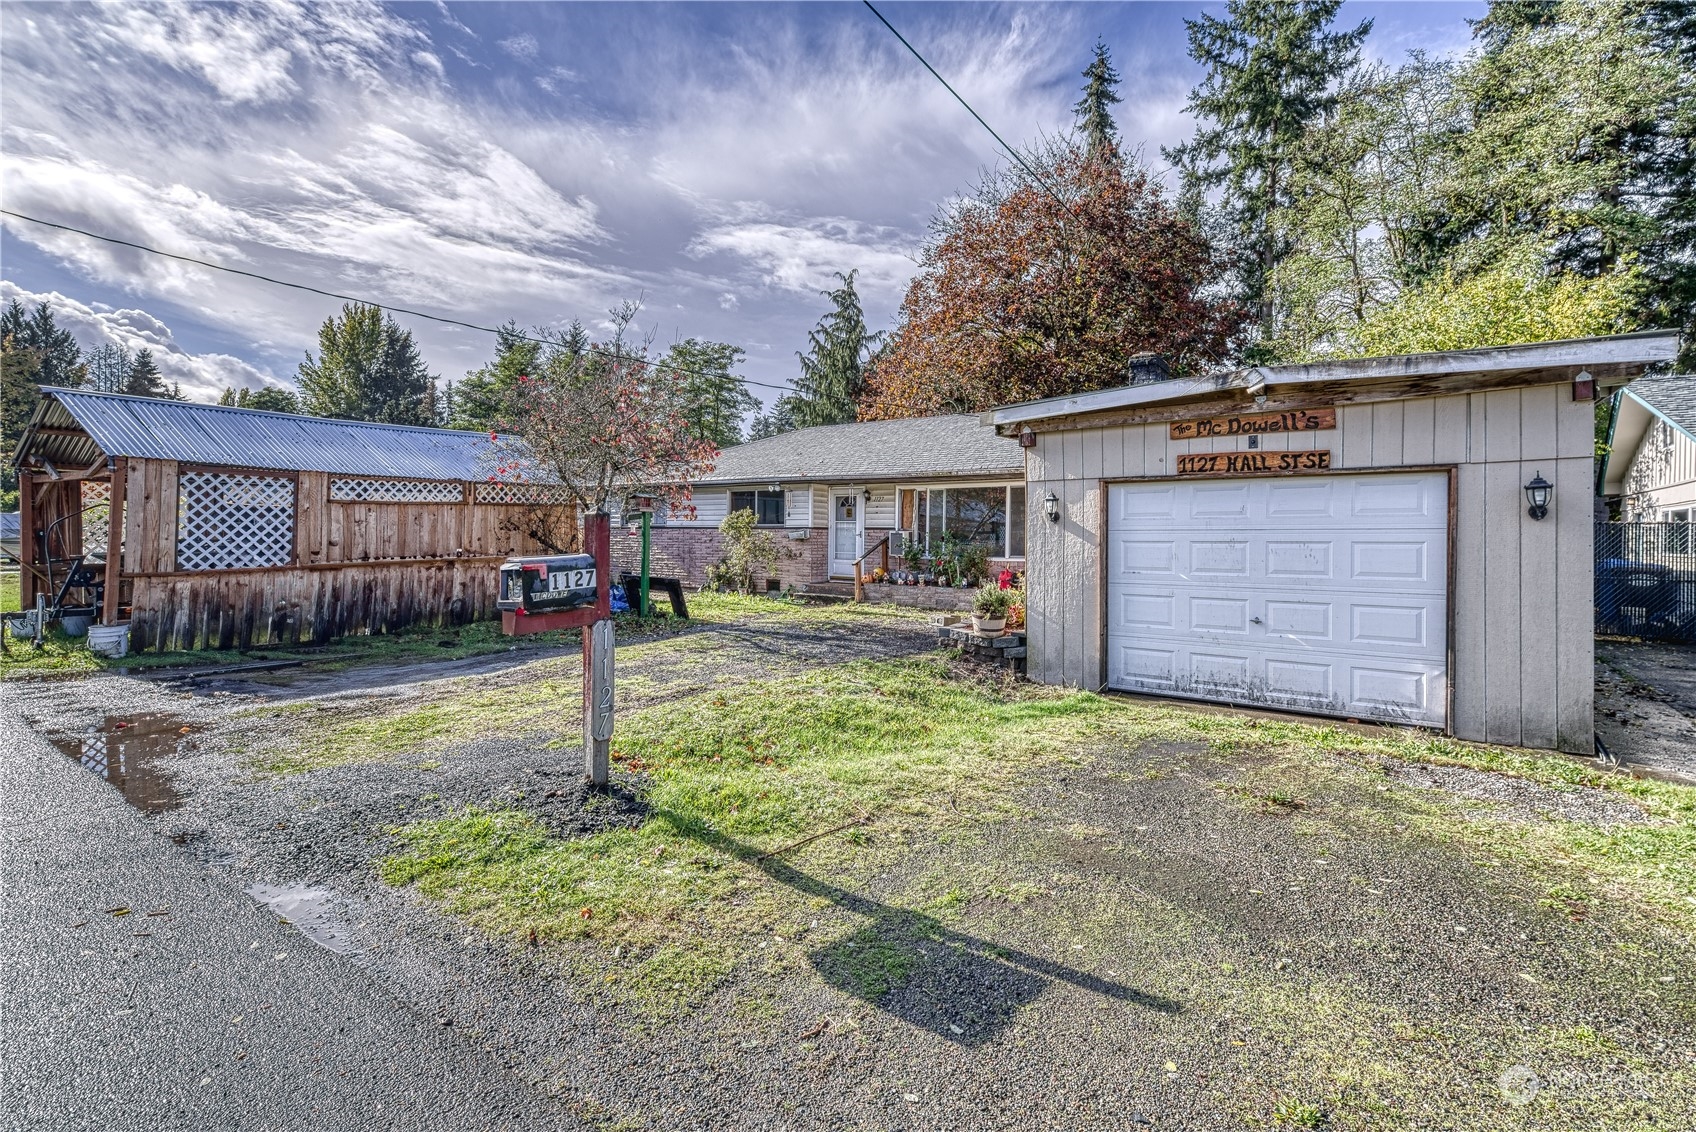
395, 491
96, 518
229, 521
531, 493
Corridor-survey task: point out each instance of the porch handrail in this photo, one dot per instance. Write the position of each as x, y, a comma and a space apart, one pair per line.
859, 578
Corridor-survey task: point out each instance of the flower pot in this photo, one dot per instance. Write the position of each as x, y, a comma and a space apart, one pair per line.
988, 626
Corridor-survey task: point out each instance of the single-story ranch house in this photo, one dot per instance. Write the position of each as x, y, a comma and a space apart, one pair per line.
1403, 539
1650, 465
833, 493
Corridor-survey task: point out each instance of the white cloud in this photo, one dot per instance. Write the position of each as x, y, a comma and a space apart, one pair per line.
202, 376
804, 255
521, 47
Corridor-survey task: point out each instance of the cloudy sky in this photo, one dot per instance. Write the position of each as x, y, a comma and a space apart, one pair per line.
534, 161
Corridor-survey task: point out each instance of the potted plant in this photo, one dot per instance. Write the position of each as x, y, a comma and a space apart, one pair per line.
989, 610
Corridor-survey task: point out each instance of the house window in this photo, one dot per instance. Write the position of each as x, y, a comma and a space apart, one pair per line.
1675, 535
767, 506
990, 517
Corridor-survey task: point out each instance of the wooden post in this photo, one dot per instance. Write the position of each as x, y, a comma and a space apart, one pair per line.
884, 546
114, 543
28, 542
859, 588
597, 656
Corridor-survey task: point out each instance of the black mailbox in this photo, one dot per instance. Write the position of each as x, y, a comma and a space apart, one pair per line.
550, 584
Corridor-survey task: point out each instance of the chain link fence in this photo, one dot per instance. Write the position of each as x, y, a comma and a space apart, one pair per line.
1646, 581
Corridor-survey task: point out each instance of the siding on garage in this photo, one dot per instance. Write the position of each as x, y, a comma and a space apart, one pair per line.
1522, 669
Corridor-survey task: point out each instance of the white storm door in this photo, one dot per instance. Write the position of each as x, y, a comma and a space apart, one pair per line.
847, 530
1325, 594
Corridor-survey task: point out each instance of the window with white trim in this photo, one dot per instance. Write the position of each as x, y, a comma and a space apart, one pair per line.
767, 506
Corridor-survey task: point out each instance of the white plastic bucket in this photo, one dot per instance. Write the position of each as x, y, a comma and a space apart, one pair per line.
109, 640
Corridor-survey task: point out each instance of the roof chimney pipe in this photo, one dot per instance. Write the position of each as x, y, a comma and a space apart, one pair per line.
1146, 369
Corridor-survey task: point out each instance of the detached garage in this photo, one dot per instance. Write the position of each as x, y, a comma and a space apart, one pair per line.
1355, 539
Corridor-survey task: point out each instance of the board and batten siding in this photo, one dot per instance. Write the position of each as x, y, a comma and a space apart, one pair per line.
1522, 645
1662, 475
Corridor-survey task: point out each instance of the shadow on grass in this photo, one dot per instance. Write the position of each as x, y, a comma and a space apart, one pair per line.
914, 967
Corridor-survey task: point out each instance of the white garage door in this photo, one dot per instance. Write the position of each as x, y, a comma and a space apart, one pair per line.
1319, 593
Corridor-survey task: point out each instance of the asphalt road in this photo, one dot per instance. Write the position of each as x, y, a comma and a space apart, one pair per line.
211, 1015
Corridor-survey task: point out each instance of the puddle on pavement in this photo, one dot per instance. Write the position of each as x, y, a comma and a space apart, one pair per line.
311, 910
128, 752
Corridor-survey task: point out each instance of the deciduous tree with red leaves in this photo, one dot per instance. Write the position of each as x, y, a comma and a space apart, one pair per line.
601, 420
1048, 284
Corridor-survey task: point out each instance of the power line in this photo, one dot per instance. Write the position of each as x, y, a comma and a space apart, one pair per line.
606, 351
1009, 150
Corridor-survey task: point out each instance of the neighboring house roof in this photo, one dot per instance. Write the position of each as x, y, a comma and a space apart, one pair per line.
1620, 356
911, 449
11, 533
148, 428
1670, 398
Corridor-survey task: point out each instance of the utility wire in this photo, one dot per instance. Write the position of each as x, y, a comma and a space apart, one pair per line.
1009, 150
603, 350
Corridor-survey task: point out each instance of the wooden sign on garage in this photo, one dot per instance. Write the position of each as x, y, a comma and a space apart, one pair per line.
1256, 424
1252, 463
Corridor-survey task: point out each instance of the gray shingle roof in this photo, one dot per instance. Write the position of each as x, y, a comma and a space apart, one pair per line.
148, 428
1672, 395
918, 448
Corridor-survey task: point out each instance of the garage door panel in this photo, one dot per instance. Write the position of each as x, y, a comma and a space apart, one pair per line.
1306, 499
1299, 558
1390, 560
1221, 501
1325, 594
1400, 497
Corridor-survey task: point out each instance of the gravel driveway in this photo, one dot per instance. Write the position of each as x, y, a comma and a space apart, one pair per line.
1147, 941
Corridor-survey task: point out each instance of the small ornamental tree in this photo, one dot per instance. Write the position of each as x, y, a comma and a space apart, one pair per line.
600, 422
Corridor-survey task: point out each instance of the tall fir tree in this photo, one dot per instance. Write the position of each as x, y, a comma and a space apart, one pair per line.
709, 394
476, 402
270, 399
367, 369
777, 419
833, 370
144, 378
1272, 67
61, 357
1095, 109
20, 369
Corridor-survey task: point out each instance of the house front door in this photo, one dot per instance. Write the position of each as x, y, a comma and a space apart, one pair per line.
847, 531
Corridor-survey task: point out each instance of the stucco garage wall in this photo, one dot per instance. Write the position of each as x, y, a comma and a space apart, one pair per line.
1522, 642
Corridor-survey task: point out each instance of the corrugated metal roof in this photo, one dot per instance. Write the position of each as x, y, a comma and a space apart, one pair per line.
915, 448
148, 428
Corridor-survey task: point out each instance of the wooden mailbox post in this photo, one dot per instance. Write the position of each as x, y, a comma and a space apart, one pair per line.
530, 586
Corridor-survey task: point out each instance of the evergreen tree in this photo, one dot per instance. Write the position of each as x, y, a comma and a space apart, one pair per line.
269, 399
476, 402
144, 379
1272, 66
1095, 109
833, 368
61, 358
108, 368
367, 369
710, 396
20, 368
777, 419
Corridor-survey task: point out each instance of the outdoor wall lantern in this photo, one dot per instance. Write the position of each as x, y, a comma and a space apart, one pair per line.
868, 495
1538, 493
1051, 507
